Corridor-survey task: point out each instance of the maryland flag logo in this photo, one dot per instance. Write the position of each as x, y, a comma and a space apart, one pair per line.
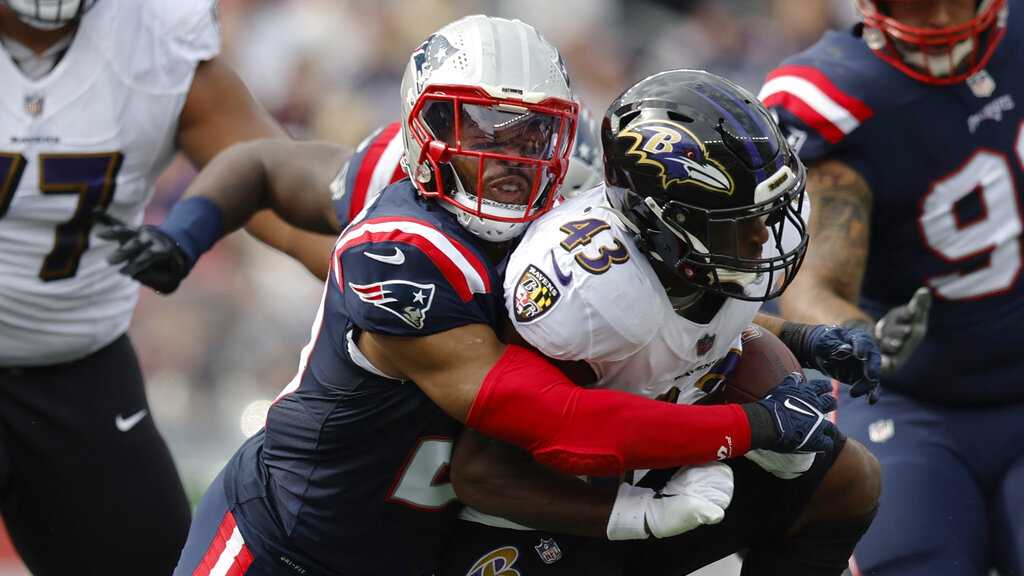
535, 294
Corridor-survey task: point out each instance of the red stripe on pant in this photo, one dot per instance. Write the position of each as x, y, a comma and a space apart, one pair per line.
241, 561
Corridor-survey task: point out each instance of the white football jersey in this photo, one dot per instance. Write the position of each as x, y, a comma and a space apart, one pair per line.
578, 288
92, 134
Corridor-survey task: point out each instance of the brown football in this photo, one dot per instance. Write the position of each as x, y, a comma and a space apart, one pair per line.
765, 362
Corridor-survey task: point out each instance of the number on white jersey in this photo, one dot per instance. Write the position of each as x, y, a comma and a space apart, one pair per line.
986, 248
91, 177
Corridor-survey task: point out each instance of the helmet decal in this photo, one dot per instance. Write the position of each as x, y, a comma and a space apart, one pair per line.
430, 56
677, 154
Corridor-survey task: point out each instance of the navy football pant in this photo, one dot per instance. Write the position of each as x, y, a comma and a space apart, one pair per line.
87, 485
952, 487
221, 543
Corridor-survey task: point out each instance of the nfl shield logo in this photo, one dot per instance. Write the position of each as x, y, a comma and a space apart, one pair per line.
548, 550
705, 343
981, 84
34, 104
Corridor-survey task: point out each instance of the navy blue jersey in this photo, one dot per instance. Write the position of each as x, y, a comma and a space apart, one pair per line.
350, 472
946, 168
375, 164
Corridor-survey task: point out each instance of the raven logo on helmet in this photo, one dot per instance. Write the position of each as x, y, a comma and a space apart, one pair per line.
678, 155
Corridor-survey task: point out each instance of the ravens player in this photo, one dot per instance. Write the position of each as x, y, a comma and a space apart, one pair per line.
912, 129
96, 98
349, 475
699, 223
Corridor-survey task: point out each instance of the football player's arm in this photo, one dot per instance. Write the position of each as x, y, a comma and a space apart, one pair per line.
515, 395
268, 171
504, 481
827, 288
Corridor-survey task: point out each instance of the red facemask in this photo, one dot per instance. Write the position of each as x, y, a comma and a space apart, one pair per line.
935, 55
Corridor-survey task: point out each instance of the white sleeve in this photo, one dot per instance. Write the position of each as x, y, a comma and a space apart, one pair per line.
570, 313
161, 43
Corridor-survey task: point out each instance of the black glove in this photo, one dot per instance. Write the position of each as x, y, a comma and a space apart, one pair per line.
901, 330
149, 254
849, 354
792, 418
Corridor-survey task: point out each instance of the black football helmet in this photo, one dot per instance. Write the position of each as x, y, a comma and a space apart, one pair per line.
708, 183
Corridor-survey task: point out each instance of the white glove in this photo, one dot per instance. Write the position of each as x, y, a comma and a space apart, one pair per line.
785, 466
692, 497
901, 330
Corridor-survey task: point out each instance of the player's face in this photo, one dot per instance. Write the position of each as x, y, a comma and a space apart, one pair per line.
931, 13
743, 239
490, 130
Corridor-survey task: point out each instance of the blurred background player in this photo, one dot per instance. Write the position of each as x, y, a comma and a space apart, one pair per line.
915, 143
96, 97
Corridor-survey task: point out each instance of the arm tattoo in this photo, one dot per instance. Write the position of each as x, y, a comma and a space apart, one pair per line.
839, 228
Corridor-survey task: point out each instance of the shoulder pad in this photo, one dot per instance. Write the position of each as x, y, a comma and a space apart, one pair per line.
568, 287
375, 164
405, 277
825, 93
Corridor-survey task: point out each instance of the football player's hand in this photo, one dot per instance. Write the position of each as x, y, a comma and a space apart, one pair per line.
692, 497
848, 354
901, 330
146, 253
797, 411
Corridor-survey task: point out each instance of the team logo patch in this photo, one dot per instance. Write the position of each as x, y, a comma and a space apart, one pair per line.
535, 294
548, 551
497, 562
677, 155
407, 300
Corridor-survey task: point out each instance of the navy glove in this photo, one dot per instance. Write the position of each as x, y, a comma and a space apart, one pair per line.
849, 354
796, 413
148, 254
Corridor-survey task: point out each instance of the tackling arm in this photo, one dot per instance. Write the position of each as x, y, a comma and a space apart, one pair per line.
514, 395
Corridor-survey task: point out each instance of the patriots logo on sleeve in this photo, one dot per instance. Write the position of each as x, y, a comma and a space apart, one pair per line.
407, 300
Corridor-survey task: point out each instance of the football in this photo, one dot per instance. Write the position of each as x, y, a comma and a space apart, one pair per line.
765, 362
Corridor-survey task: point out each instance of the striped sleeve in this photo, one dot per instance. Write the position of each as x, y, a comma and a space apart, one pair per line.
375, 164
812, 109
403, 276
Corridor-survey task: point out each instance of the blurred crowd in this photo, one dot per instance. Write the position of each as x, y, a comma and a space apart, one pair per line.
217, 352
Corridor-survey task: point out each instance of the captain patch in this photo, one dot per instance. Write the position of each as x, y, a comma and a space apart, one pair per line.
535, 294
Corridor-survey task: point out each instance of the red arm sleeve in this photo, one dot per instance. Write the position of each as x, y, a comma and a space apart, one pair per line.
526, 401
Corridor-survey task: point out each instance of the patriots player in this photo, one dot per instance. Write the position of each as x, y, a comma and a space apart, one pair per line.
700, 222
350, 473
912, 130
96, 98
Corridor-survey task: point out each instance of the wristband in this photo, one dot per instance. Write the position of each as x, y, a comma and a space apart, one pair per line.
195, 224
627, 520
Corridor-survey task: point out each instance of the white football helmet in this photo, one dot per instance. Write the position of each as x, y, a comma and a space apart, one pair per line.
49, 14
586, 168
493, 94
